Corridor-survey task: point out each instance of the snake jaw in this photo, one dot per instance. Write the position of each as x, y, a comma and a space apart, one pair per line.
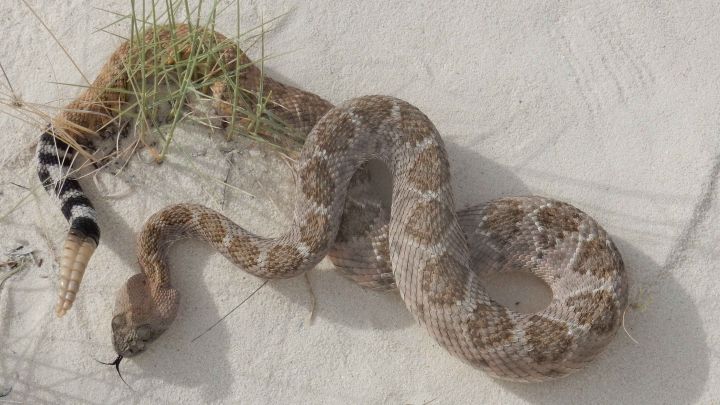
75, 256
141, 314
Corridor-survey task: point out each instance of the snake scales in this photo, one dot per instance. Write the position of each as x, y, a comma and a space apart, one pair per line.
433, 255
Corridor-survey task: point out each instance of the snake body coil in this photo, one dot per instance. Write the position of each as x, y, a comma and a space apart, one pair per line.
436, 257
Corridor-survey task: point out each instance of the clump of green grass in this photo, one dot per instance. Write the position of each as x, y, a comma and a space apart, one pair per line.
163, 81
160, 74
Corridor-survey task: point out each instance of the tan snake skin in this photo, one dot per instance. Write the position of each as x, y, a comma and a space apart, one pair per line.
434, 256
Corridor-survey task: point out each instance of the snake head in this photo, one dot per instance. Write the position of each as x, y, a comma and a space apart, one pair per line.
141, 315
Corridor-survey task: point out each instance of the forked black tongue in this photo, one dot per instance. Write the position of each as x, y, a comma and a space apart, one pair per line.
116, 363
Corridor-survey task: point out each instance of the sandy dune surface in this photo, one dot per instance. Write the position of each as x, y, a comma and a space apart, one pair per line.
612, 106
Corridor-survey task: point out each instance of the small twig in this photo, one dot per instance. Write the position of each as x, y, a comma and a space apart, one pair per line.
625, 329
16, 100
311, 316
231, 311
269, 197
290, 163
9, 274
230, 157
17, 259
18, 185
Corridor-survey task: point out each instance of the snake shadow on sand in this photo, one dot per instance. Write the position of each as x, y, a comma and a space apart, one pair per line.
670, 362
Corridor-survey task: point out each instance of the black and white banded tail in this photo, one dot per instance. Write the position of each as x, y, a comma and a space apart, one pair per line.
55, 169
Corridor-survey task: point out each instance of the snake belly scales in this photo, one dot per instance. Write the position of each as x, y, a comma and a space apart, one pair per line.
433, 255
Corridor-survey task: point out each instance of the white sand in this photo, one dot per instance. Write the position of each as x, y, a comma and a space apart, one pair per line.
612, 107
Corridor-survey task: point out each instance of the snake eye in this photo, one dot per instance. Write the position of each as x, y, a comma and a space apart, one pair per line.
118, 322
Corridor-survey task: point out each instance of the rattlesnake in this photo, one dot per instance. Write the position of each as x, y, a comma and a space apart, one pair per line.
434, 256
